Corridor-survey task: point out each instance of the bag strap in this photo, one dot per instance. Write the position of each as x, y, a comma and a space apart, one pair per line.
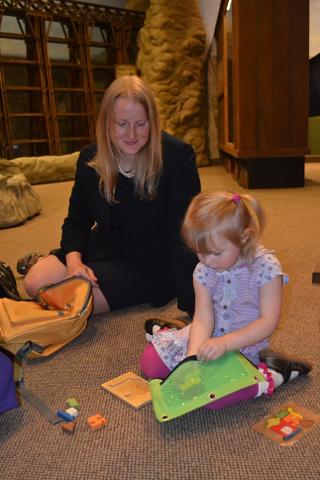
21, 389
8, 284
39, 404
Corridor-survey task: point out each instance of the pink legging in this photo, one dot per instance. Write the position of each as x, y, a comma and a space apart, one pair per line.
153, 367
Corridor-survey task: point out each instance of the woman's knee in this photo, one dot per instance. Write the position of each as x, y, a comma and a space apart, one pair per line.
30, 283
100, 304
47, 270
151, 364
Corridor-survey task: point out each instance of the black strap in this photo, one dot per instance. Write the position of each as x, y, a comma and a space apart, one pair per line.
8, 284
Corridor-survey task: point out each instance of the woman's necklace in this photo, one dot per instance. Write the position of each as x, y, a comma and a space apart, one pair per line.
128, 174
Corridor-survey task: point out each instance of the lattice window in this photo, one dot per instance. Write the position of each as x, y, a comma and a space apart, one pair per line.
56, 60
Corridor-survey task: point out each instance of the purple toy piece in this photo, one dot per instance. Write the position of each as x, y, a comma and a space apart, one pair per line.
8, 398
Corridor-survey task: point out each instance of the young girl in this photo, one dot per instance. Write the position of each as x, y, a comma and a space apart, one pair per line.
237, 286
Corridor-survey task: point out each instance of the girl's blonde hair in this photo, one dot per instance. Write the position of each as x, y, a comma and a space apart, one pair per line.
236, 217
149, 159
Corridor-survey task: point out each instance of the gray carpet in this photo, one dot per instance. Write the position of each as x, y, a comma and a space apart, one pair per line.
200, 445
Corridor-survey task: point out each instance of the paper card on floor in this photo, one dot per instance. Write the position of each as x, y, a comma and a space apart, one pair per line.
131, 388
287, 424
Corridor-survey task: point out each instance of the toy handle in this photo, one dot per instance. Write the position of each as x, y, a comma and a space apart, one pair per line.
185, 360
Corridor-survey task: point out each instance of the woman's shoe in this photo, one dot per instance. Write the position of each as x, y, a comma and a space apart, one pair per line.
152, 325
27, 261
283, 364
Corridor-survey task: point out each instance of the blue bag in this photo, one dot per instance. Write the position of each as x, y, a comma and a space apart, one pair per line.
8, 397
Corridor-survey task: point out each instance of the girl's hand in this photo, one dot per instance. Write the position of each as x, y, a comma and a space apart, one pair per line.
212, 349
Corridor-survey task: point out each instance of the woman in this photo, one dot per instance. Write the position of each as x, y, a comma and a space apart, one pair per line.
126, 208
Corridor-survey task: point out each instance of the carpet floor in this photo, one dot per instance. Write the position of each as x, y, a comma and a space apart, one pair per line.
201, 445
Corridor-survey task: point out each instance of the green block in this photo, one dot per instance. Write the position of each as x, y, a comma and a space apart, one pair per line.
72, 402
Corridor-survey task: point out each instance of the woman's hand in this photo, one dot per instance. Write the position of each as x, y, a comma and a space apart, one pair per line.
212, 349
83, 270
75, 267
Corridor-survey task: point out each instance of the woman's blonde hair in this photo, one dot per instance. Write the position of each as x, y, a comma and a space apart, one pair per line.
149, 159
236, 217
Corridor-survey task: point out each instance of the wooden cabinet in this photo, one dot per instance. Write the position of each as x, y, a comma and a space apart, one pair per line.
263, 62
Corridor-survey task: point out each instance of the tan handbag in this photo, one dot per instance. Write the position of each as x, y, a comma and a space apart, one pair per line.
58, 314
40, 327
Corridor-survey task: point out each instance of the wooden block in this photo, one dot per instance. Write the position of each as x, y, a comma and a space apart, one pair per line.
73, 403
130, 388
74, 412
96, 422
68, 427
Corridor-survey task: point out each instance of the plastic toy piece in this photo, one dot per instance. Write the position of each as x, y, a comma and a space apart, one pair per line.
193, 384
65, 416
291, 435
69, 427
96, 422
72, 402
287, 424
72, 411
131, 388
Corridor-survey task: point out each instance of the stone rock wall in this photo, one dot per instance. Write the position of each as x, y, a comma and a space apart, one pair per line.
171, 58
18, 200
139, 5
212, 82
47, 168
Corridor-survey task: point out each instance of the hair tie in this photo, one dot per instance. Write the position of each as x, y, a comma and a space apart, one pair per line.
235, 198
